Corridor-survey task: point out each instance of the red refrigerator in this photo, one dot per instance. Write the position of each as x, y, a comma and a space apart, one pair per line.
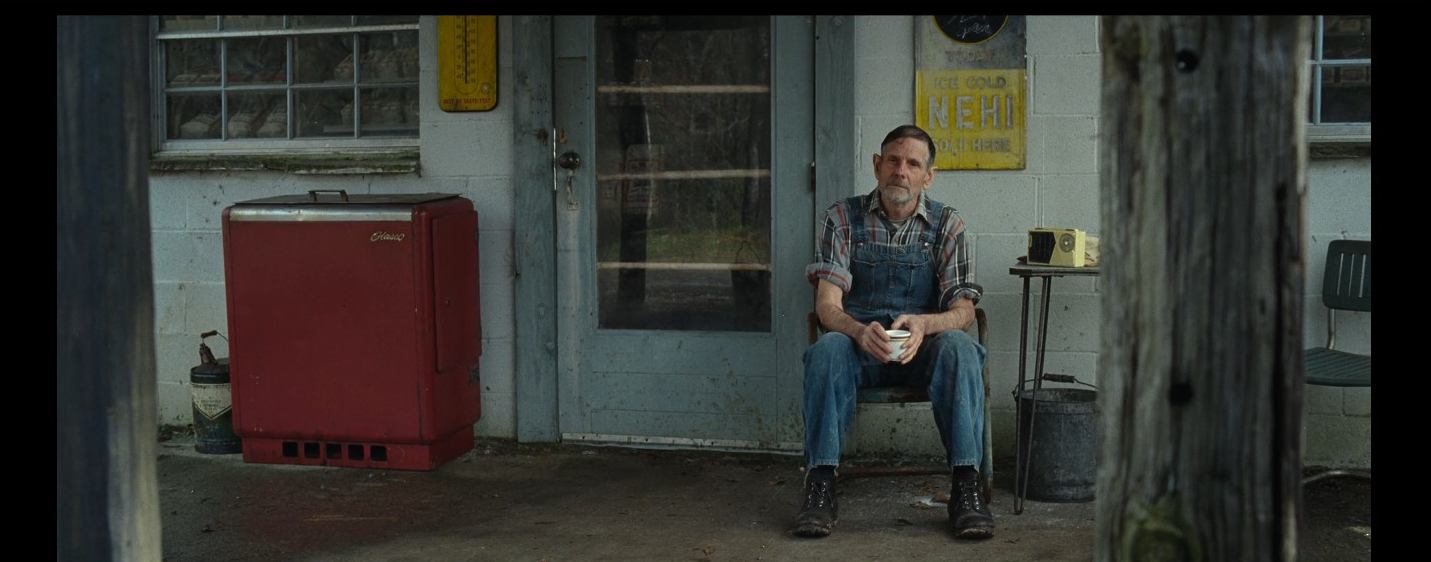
354, 328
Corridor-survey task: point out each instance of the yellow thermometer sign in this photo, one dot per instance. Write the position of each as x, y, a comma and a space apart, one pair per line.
467, 63
976, 117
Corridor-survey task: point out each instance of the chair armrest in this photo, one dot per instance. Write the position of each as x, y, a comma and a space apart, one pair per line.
982, 322
812, 323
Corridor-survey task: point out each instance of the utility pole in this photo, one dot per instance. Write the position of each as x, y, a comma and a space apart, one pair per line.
106, 487
1203, 163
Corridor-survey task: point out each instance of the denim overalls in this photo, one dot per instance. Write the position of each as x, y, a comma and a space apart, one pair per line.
888, 280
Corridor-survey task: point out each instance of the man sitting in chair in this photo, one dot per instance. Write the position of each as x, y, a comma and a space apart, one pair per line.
895, 259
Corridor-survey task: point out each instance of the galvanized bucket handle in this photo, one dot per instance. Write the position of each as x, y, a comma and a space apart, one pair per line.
314, 193
1055, 377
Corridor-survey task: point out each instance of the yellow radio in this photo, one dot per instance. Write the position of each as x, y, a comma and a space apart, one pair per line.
1062, 247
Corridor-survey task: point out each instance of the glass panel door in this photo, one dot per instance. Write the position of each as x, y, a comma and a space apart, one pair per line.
682, 150
682, 122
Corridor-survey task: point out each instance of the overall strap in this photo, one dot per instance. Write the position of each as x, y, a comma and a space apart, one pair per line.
855, 210
938, 212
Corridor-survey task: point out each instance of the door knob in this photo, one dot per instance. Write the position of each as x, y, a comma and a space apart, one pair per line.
569, 161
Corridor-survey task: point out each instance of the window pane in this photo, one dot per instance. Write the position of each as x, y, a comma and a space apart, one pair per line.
323, 59
385, 20
193, 116
389, 111
275, 122
191, 63
324, 113
234, 23
1346, 37
257, 60
322, 21
189, 23
248, 111
389, 57
1346, 94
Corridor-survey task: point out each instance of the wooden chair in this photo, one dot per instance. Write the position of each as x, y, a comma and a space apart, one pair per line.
911, 394
1346, 285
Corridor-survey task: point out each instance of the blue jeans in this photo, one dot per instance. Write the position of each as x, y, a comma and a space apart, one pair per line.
950, 364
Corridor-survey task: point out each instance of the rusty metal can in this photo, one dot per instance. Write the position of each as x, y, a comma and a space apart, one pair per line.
213, 406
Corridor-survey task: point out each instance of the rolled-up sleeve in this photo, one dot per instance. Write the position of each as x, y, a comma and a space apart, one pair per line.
956, 274
832, 250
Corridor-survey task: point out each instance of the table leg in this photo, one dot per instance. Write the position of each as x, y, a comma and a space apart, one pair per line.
1021, 489
1018, 412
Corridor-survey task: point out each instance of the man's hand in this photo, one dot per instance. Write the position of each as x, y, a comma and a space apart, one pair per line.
918, 326
959, 316
874, 340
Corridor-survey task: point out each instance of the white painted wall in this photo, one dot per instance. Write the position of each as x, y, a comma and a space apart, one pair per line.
470, 154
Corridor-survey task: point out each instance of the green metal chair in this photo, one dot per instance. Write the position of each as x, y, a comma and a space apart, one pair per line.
1346, 285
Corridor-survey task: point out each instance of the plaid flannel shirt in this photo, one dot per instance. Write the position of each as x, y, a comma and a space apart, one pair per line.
832, 248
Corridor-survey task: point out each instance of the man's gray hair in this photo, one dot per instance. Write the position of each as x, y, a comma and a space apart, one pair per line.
910, 131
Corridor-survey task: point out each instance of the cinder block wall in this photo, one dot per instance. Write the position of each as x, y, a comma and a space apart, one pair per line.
1059, 188
465, 153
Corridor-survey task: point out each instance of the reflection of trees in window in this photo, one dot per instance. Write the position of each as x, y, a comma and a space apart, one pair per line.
1342, 70
716, 129
687, 98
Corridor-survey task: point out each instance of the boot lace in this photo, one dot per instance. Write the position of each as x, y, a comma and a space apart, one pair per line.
969, 496
817, 494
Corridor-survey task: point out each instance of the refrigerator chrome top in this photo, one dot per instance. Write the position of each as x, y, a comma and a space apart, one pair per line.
334, 205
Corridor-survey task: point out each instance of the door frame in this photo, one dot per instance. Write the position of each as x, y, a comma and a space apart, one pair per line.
537, 400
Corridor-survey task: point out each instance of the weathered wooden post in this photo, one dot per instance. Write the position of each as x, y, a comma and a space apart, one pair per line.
106, 489
1203, 171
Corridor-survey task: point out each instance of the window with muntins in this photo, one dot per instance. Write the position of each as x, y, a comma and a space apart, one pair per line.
1340, 108
256, 83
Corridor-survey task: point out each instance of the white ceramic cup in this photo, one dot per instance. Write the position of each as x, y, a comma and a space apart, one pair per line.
897, 338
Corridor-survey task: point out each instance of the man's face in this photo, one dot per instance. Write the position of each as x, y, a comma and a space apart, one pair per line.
902, 170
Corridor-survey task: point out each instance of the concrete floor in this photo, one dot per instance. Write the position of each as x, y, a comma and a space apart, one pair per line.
511, 502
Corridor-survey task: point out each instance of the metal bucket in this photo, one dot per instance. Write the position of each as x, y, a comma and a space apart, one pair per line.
213, 409
1064, 465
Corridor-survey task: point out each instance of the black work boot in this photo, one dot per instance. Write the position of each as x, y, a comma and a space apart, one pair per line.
967, 511
818, 515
